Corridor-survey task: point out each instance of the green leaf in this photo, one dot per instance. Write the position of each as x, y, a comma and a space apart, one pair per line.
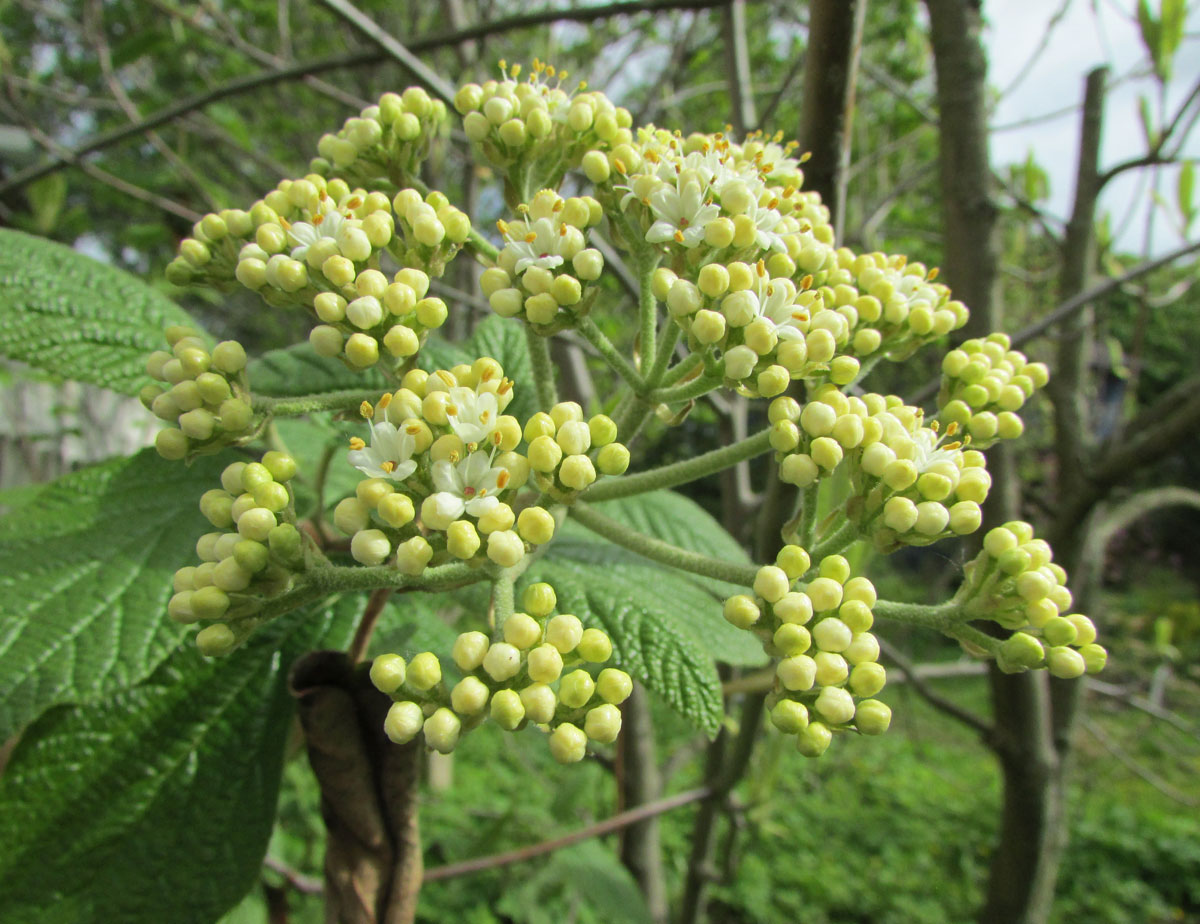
1174, 13
1151, 32
297, 371
46, 199
155, 804
77, 318
1147, 121
85, 574
1185, 192
666, 625
587, 872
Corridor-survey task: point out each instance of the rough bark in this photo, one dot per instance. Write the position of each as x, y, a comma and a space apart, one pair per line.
641, 783
835, 29
369, 793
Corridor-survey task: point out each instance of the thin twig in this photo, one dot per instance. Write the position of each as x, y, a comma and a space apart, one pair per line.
306, 885
935, 699
366, 625
615, 823
1136, 768
336, 62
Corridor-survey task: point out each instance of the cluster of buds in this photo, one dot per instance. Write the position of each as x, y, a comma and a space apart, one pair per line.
251, 557
441, 447
204, 398
984, 384
534, 130
545, 271
828, 668
912, 485
566, 454
316, 244
540, 673
1014, 583
768, 331
385, 141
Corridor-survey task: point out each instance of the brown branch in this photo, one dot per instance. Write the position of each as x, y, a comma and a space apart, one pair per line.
621, 820
366, 625
941, 703
1143, 705
306, 885
1136, 768
336, 62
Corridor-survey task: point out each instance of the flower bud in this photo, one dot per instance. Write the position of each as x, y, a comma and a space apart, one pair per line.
388, 673
568, 744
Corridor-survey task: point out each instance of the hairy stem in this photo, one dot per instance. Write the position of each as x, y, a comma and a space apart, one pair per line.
608, 351
681, 472
659, 551
543, 369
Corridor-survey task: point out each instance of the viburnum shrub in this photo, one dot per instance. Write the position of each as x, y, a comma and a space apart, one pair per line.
739, 288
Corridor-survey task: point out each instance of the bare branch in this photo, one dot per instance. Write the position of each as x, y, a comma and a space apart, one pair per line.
1136, 768
615, 823
941, 703
336, 62
1078, 302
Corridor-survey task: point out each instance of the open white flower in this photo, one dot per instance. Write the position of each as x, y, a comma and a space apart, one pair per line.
468, 486
682, 213
765, 221
777, 303
541, 247
304, 234
388, 456
473, 416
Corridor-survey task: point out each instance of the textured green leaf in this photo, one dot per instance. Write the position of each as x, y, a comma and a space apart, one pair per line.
85, 575
71, 316
298, 370
156, 803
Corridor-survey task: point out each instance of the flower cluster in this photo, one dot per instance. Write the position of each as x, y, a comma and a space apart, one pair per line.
1014, 582
317, 244
534, 130
251, 558
819, 629
536, 672
912, 484
441, 445
984, 384
385, 141
567, 454
545, 272
205, 395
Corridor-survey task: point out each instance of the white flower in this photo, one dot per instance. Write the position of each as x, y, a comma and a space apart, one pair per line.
682, 213
473, 417
930, 450
304, 234
388, 456
470, 485
777, 303
765, 220
540, 247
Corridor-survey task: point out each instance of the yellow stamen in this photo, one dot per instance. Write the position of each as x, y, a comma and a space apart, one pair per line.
356, 443
388, 467
502, 480
933, 274
366, 410
384, 401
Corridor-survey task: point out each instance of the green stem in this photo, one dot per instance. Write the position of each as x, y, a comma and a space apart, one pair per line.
808, 514
680, 393
348, 400
630, 421
543, 369
680, 369
662, 357
839, 541
614, 357
659, 551
503, 599
945, 618
681, 472
482, 246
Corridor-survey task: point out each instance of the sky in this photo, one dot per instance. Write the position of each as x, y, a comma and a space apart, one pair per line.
1091, 32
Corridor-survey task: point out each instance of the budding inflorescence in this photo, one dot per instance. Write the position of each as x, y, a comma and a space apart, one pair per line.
817, 623
538, 669
249, 559
1014, 582
913, 484
204, 398
546, 271
385, 141
533, 130
984, 384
